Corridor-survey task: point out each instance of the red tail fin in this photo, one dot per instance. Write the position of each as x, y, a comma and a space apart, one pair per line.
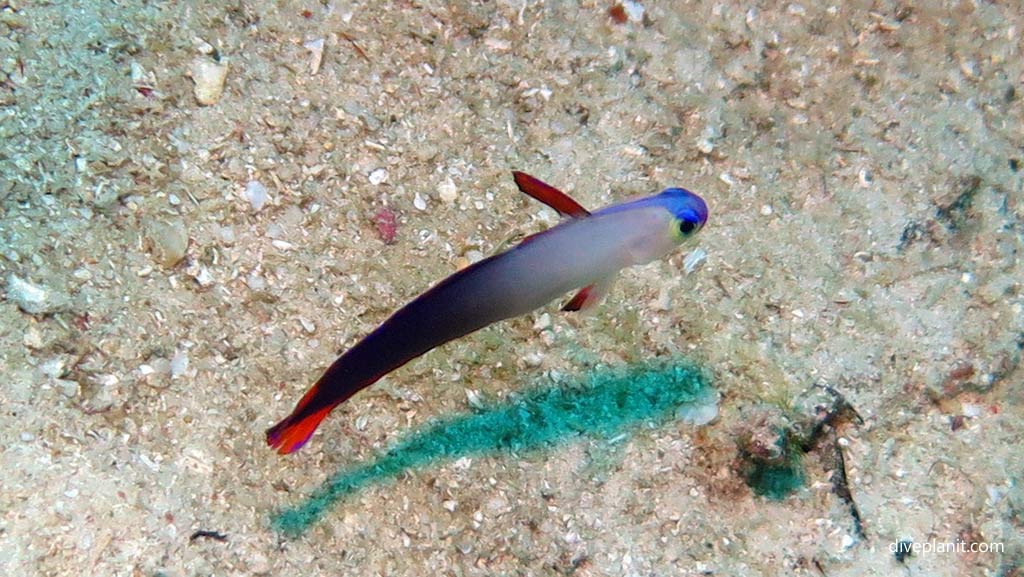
292, 433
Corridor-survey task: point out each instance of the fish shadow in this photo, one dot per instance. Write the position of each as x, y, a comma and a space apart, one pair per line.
600, 403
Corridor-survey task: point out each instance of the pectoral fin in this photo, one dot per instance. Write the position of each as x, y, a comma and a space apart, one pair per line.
589, 296
549, 195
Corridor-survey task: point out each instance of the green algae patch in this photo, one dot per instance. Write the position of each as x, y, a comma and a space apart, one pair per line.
602, 402
771, 456
775, 481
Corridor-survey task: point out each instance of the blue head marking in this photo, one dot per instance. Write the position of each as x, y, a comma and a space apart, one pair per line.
687, 207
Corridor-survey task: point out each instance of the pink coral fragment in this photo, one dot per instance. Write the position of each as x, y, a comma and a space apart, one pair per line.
387, 225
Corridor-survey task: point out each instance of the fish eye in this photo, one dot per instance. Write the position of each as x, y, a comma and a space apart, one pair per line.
686, 227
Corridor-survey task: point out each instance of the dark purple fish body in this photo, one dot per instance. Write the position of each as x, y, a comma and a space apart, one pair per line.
573, 254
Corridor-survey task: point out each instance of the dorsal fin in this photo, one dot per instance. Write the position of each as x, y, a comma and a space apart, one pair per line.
549, 195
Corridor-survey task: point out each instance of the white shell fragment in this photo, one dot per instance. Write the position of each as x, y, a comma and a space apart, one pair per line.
378, 176
634, 10
473, 397
419, 202
202, 46
701, 411
209, 76
203, 277
694, 260
307, 325
33, 299
316, 54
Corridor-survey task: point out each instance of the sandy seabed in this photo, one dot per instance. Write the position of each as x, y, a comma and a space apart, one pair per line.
861, 161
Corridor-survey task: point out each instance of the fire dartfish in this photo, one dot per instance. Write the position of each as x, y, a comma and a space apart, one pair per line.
586, 250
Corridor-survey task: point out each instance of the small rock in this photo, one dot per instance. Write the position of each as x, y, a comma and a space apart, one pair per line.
227, 235
971, 410
105, 394
865, 177
498, 44
664, 300
634, 150
140, 76
34, 299
53, 368
497, 505
67, 388
259, 564
706, 142
548, 338
11, 18
533, 359
255, 282
209, 76
256, 194
169, 241
543, 322
33, 339
161, 366
447, 191
203, 277
179, 364
970, 68
275, 231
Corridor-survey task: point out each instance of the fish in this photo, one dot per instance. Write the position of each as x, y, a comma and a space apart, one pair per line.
586, 249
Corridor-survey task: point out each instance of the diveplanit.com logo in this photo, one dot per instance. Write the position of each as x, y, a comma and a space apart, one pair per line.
907, 548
